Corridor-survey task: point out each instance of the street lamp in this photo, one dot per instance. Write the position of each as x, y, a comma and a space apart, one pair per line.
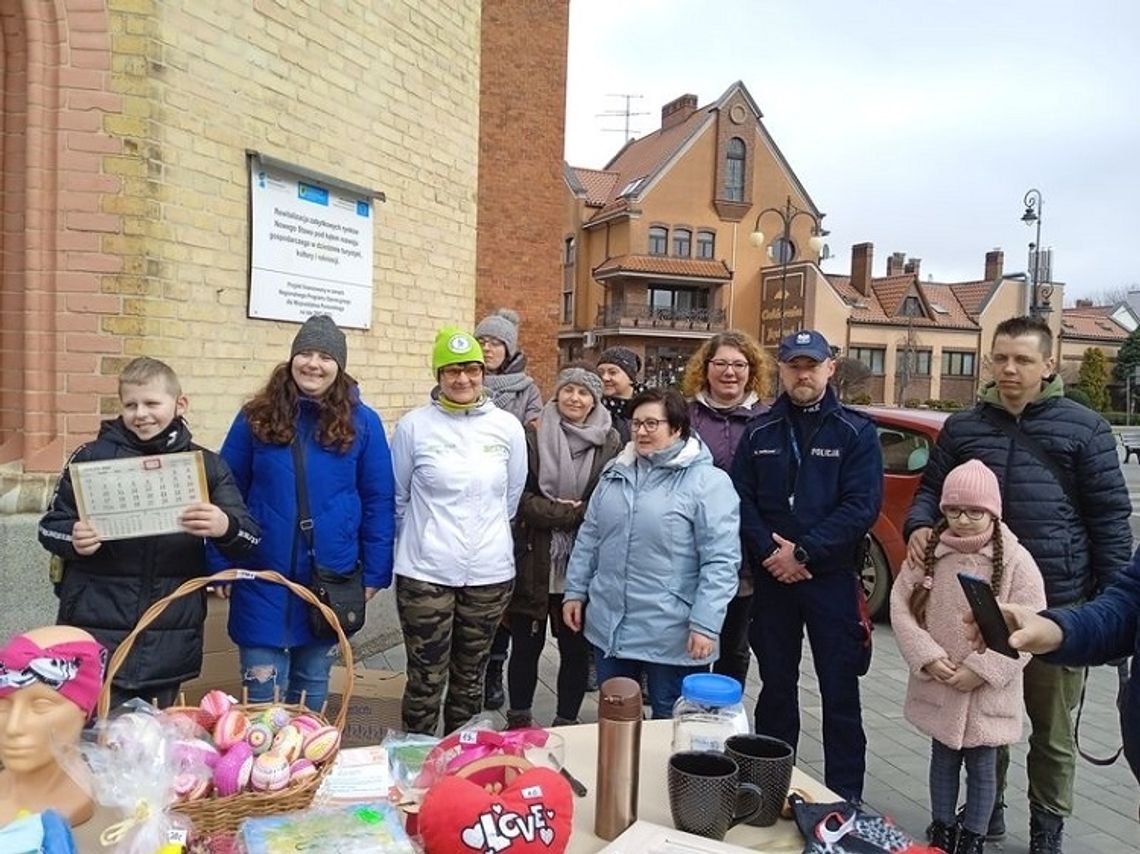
1034, 213
788, 215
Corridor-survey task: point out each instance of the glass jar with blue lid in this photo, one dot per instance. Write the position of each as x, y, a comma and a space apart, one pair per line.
709, 710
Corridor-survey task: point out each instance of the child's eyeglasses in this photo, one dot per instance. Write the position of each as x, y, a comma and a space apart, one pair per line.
971, 513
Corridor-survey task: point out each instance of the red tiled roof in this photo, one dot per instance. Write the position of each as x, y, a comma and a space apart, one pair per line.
870, 309
1090, 322
972, 295
599, 185
891, 291
663, 265
642, 158
947, 297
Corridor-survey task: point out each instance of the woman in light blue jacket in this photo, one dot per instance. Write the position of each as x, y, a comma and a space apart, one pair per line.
656, 558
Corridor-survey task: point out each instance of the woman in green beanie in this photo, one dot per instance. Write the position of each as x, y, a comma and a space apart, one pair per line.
460, 466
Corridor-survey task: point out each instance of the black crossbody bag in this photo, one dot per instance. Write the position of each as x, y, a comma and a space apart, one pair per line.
343, 593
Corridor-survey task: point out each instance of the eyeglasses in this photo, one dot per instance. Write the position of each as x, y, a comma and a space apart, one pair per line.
725, 364
472, 370
650, 424
971, 513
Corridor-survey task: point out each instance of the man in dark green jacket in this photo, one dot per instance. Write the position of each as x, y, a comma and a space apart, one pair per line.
1065, 499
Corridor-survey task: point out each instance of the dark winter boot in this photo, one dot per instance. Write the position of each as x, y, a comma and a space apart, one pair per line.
1044, 831
996, 830
942, 836
969, 842
519, 719
493, 696
564, 721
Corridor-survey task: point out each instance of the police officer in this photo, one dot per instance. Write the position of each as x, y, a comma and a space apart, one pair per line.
810, 477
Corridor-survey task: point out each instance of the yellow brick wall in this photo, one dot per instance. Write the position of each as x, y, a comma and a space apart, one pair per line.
383, 95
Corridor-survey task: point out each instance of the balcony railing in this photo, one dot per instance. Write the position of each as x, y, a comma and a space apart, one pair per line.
643, 316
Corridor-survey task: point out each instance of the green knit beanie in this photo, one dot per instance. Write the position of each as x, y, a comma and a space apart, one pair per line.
453, 346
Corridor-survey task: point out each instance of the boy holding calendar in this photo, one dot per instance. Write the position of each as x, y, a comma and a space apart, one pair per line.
107, 585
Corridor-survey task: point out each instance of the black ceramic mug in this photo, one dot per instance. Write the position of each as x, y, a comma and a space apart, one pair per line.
706, 796
766, 763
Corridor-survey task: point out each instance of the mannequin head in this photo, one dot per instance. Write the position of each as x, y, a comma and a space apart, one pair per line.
49, 683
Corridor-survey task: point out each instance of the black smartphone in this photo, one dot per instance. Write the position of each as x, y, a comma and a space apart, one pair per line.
987, 614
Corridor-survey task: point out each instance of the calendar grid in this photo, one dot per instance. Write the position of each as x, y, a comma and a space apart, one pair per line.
138, 496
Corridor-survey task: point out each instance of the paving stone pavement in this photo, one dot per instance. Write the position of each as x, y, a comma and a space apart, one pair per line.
1104, 819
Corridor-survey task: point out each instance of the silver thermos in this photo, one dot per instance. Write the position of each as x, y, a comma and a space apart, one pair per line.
619, 756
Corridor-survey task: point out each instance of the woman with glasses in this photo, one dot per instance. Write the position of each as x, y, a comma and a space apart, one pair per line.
724, 381
460, 466
655, 562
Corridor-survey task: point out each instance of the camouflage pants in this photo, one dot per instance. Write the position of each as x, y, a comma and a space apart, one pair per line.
447, 637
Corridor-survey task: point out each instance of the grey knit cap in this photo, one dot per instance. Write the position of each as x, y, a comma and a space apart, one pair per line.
320, 332
503, 324
580, 376
624, 358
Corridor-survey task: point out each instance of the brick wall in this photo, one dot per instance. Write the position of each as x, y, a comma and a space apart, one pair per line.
521, 188
382, 95
55, 79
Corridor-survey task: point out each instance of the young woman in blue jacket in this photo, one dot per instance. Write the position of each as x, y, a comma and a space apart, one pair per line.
348, 474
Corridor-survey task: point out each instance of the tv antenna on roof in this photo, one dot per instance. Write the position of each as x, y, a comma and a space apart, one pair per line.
626, 113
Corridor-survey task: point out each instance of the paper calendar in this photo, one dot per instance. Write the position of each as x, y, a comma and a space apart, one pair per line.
138, 496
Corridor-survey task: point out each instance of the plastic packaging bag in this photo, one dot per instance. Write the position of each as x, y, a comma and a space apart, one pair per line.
127, 763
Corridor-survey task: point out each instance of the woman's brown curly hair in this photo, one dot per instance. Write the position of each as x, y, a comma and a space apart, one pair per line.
760, 365
273, 412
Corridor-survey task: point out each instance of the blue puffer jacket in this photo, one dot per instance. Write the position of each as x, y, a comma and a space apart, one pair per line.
1078, 551
352, 499
1104, 629
657, 554
837, 487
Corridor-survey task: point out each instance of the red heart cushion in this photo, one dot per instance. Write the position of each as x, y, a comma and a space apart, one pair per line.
534, 813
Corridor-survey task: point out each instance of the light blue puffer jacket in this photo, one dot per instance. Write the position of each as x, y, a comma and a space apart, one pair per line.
657, 554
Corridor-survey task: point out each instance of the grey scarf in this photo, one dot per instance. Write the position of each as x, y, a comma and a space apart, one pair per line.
565, 458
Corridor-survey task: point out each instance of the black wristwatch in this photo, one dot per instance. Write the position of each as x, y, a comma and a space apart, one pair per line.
800, 554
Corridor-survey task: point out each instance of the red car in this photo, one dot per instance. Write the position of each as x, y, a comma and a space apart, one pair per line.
906, 437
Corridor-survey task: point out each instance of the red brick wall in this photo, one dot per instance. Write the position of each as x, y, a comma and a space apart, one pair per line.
521, 190
57, 93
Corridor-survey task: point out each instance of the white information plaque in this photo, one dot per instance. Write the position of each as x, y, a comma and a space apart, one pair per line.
138, 496
310, 248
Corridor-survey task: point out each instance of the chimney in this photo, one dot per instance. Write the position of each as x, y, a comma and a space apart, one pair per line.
677, 110
995, 261
862, 254
895, 263
1084, 303
912, 266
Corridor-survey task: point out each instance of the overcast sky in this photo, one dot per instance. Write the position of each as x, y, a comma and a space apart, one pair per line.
915, 125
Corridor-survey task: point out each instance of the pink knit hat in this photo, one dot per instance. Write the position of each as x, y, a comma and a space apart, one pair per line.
972, 484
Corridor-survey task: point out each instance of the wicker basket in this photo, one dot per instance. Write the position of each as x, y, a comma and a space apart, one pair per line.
223, 815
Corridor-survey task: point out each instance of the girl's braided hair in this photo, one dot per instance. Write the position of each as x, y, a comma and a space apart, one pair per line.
921, 594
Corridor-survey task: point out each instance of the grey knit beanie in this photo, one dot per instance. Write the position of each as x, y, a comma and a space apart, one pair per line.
580, 376
503, 324
624, 358
320, 332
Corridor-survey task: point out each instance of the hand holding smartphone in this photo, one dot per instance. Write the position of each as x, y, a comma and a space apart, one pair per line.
987, 614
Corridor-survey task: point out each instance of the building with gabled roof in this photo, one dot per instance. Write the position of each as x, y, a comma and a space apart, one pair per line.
657, 254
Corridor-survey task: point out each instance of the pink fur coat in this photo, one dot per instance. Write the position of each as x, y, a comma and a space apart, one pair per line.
991, 714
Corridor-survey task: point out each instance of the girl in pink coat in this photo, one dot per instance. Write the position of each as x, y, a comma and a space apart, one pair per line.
969, 703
